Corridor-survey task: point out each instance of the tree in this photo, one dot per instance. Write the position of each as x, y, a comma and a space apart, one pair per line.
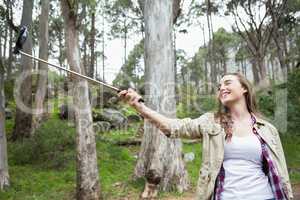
160, 160
88, 186
43, 68
196, 10
241, 57
252, 26
92, 42
222, 43
284, 20
127, 75
124, 17
23, 120
4, 176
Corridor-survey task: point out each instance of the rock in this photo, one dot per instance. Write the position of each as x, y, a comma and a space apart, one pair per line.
103, 100
116, 118
134, 118
113, 101
101, 126
117, 184
66, 112
97, 115
8, 113
189, 157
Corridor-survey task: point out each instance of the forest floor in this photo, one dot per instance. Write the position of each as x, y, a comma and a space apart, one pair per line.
296, 191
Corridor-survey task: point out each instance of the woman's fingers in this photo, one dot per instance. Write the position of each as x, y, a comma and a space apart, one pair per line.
130, 96
122, 93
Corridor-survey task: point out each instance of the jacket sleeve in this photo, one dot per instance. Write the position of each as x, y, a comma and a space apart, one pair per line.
285, 176
191, 128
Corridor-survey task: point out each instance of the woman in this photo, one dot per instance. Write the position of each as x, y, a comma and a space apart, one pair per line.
242, 155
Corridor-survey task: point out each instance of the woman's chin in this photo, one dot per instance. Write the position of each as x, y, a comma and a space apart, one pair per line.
226, 102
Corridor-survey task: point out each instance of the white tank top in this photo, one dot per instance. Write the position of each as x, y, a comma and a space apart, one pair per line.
244, 176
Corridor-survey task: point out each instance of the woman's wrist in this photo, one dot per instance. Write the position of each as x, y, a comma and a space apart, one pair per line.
139, 107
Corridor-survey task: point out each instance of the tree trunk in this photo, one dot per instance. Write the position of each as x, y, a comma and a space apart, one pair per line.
11, 41
213, 73
255, 71
92, 45
23, 121
88, 186
61, 57
85, 62
224, 65
103, 42
1, 48
125, 41
244, 69
160, 159
205, 63
43, 68
5, 41
4, 176
260, 61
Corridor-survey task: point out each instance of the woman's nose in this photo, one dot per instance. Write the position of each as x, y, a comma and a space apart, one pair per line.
222, 88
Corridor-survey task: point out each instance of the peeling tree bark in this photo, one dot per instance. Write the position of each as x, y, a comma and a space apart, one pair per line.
43, 68
23, 121
160, 158
4, 176
88, 187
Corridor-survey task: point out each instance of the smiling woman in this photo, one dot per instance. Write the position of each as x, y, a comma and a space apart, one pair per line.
242, 155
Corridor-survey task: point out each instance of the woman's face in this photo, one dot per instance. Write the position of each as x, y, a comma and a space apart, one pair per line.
230, 90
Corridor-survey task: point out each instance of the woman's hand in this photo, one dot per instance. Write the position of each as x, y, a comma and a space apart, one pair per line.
131, 97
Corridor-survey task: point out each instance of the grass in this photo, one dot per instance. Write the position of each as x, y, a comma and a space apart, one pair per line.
46, 169
291, 146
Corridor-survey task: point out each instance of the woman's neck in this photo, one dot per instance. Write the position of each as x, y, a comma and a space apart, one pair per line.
239, 111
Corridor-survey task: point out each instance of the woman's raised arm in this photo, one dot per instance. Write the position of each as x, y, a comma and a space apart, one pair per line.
185, 128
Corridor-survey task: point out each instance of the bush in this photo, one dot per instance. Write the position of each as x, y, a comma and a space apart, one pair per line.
52, 146
9, 89
191, 104
266, 103
293, 108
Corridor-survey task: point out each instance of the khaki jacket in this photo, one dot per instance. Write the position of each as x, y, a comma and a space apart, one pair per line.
213, 138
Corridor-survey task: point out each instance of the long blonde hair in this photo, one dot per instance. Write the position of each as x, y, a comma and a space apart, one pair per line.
223, 115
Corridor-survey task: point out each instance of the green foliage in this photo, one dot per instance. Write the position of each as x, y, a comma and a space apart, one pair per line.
193, 167
242, 53
54, 77
266, 103
124, 18
117, 165
192, 104
32, 183
9, 89
293, 100
128, 110
128, 74
222, 41
291, 146
52, 146
195, 67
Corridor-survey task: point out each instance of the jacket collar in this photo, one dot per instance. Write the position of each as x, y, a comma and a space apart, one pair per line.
259, 125
258, 121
